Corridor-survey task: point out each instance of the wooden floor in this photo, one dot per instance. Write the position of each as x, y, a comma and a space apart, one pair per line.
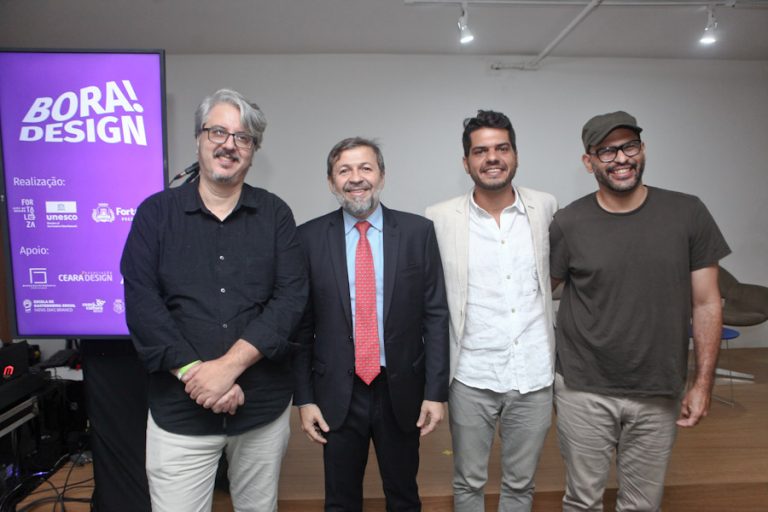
719, 466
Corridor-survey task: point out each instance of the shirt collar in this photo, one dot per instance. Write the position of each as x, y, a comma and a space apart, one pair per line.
517, 205
192, 202
376, 219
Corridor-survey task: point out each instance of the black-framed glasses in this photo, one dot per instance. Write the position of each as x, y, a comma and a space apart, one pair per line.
219, 135
608, 153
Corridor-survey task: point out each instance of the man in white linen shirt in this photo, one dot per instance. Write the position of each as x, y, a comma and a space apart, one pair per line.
495, 250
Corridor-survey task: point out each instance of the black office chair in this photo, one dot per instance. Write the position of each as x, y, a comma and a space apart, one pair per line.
743, 305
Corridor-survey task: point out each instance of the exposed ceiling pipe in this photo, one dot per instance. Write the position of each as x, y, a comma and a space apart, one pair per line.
760, 4
533, 64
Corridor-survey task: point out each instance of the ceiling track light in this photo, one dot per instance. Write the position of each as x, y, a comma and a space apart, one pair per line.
710, 31
465, 35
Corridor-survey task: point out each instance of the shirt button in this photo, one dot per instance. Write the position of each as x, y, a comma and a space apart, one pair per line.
224, 326
351, 339
223, 290
513, 310
350, 372
517, 342
503, 242
221, 258
509, 277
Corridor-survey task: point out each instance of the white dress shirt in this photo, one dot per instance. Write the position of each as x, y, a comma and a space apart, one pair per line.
504, 344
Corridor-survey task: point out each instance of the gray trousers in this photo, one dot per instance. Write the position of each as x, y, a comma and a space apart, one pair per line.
523, 421
591, 427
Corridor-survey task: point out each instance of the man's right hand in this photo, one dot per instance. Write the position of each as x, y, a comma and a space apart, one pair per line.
312, 423
207, 382
231, 400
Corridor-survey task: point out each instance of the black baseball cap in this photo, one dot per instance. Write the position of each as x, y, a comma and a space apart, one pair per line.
598, 128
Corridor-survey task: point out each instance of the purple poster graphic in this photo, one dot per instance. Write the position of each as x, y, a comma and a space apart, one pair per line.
82, 146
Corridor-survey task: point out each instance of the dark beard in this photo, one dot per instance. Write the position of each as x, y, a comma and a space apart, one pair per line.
604, 178
493, 186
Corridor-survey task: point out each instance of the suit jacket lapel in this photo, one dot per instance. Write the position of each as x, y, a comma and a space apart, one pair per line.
338, 250
391, 238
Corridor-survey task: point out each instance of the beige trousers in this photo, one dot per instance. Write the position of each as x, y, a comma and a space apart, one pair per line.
182, 469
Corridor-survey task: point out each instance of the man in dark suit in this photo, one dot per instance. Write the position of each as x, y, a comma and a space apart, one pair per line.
373, 357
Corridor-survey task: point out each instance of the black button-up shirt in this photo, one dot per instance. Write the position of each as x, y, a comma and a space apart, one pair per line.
194, 285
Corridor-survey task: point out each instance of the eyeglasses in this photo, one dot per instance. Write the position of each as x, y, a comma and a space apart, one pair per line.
219, 135
609, 153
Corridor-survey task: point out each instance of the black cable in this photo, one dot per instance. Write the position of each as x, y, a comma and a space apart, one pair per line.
191, 172
59, 499
72, 465
26, 486
52, 499
40, 489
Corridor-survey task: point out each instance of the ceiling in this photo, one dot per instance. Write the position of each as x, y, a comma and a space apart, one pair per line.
501, 27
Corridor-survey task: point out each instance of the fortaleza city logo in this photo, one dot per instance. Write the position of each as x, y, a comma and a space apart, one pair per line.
91, 114
105, 213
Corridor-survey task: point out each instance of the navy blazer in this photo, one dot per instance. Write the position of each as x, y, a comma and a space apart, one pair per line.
415, 319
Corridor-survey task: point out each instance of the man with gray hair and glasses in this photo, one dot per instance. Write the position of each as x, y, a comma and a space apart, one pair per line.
215, 283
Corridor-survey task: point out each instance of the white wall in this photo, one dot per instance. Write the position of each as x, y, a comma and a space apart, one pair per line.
705, 127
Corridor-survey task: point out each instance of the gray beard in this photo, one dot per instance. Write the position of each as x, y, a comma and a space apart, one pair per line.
358, 208
223, 180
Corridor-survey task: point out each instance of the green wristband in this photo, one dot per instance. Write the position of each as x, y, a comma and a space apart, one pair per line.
180, 373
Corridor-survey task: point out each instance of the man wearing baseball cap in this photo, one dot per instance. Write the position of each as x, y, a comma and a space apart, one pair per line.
640, 269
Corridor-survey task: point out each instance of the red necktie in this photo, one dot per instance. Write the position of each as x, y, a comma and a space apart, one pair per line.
367, 363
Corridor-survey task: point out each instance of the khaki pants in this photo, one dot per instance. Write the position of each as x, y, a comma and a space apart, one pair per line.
591, 427
182, 469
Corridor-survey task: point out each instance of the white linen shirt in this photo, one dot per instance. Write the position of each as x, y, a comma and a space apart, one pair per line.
504, 344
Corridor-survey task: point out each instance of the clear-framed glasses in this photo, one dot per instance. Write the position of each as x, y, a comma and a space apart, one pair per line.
608, 153
219, 135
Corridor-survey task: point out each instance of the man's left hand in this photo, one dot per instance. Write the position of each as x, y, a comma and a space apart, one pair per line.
695, 406
432, 413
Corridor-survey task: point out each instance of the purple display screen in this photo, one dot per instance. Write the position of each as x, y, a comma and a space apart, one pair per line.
83, 144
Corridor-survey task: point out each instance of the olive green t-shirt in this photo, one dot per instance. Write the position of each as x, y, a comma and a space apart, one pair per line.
624, 318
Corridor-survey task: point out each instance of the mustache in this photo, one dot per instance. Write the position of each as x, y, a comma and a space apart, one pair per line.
227, 152
612, 168
493, 163
361, 186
